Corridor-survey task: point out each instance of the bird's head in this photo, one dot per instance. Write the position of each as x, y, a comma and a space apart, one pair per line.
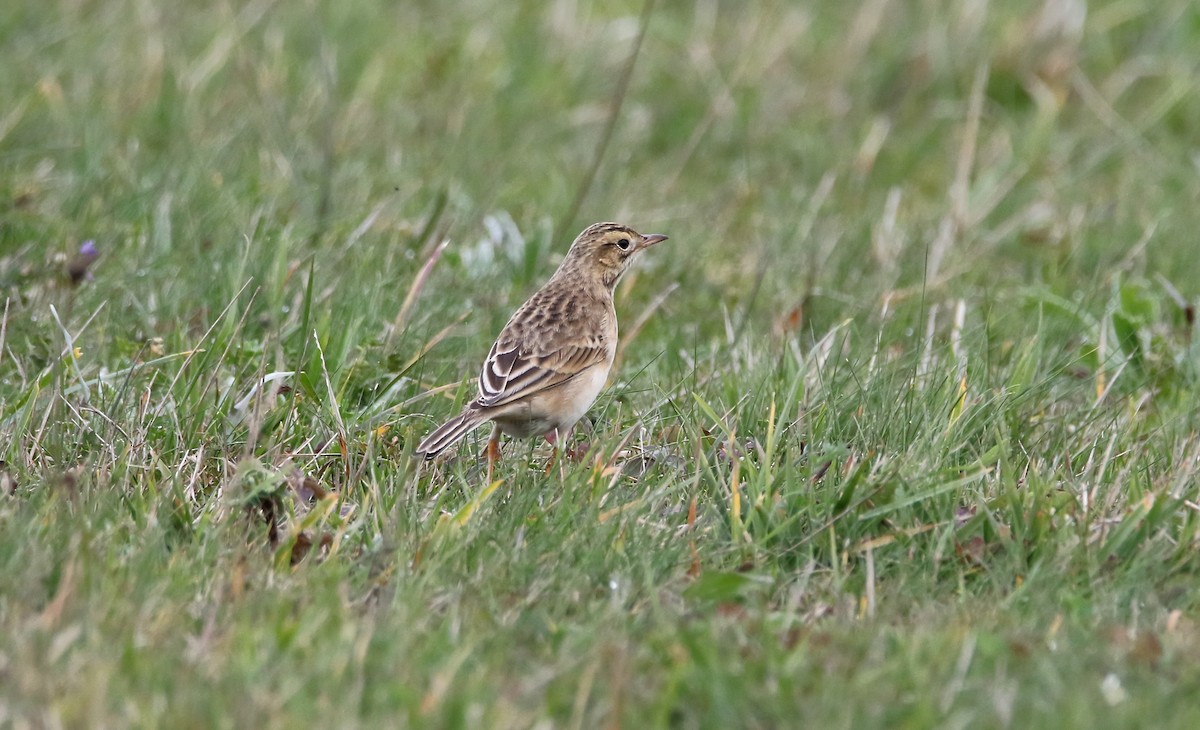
606, 250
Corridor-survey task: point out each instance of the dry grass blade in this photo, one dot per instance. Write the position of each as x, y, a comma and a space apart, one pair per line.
71, 353
414, 290
640, 322
4, 328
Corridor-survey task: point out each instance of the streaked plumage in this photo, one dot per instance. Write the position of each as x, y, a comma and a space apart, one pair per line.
553, 357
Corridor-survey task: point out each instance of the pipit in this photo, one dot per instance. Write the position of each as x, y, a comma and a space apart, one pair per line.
553, 357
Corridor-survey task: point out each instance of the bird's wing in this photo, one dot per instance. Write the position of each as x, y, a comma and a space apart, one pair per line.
513, 372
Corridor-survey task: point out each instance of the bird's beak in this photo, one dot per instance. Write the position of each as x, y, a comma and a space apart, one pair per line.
652, 238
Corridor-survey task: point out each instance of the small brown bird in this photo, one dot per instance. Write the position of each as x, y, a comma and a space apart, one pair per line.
552, 358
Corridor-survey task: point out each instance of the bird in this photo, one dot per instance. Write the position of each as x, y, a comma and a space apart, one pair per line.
552, 359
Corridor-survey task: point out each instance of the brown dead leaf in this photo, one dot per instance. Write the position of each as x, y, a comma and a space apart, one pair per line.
790, 321
819, 474
973, 551
268, 509
1147, 650
307, 488
1020, 648
304, 544
792, 637
68, 482
731, 610
694, 568
300, 547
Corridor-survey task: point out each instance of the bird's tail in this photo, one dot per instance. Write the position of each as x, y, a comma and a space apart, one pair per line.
450, 432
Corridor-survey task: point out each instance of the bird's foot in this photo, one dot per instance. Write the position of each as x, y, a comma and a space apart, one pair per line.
493, 453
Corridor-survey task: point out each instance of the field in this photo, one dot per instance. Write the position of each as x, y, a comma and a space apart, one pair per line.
906, 425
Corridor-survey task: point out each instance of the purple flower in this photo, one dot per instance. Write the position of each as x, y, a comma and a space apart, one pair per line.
79, 267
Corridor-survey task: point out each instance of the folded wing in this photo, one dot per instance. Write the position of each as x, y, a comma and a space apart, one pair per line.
512, 372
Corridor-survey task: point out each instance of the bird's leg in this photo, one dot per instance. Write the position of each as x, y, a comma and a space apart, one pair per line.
572, 451
552, 439
493, 451
578, 451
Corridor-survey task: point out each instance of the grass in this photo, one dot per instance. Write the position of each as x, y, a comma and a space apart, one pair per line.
904, 434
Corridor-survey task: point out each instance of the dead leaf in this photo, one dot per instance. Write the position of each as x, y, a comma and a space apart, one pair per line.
972, 551
300, 547
268, 509
789, 321
731, 610
307, 488
694, 568
819, 474
1147, 649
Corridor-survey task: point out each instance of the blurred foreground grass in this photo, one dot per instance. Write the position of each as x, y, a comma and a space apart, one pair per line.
904, 434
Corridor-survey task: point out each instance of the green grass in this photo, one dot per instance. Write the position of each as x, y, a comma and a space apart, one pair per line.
909, 438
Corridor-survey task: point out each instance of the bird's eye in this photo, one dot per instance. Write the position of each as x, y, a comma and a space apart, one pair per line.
624, 244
